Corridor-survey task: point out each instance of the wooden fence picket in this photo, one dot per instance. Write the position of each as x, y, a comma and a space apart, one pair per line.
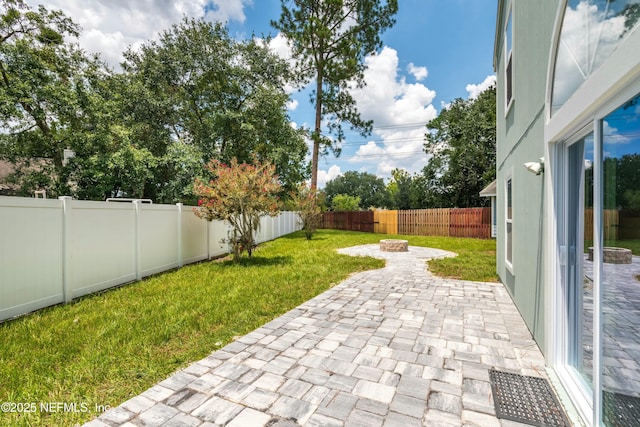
466, 222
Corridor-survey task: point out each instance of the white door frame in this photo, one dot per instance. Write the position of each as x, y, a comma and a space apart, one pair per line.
617, 80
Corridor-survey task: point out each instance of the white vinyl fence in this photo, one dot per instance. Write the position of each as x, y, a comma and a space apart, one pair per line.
53, 251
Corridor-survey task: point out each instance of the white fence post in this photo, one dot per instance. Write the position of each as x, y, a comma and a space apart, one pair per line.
67, 293
137, 204
180, 262
208, 239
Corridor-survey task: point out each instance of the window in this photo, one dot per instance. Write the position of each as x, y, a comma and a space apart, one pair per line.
508, 37
591, 31
509, 225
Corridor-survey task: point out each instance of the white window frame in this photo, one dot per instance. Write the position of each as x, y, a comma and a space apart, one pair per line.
508, 221
508, 61
567, 375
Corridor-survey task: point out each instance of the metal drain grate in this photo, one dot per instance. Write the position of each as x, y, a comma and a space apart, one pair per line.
525, 399
621, 410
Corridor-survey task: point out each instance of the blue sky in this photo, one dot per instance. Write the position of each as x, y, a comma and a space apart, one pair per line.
452, 40
438, 50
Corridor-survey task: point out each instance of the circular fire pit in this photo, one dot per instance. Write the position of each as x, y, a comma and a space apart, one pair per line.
394, 245
612, 255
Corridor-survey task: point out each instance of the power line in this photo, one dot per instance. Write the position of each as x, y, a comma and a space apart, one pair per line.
398, 154
384, 141
406, 125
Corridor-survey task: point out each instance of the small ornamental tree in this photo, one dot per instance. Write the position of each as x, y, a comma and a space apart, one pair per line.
240, 194
308, 202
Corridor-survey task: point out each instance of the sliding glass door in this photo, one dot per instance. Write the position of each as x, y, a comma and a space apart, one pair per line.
620, 307
576, 273
598, 300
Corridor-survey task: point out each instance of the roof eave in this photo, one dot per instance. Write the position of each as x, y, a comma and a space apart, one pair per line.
498, 33
490, 190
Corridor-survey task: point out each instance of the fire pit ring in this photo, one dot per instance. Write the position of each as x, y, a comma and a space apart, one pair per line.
394, 245
612, 255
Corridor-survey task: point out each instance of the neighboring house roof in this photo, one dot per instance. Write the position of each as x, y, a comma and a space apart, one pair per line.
489, 190
6, 169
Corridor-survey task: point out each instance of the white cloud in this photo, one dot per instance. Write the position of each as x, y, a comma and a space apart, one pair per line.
292, 104
612, 136
226, 10
370, 149
387, 98
109, 27
420, 73
326, 176
399, 111
476, 90
280, 45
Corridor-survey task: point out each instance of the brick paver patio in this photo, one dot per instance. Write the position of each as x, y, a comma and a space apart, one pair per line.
390, 347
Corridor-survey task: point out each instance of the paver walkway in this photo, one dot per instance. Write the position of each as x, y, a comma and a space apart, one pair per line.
390, 347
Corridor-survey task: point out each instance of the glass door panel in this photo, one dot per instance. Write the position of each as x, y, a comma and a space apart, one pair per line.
621, 266
579, 272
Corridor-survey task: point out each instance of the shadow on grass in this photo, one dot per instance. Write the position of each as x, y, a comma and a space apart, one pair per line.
258, 261
298, 235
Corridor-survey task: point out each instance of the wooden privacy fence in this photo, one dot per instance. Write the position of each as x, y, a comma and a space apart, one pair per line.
385, 222
353, 221
617, 224
610, 226
468, 222
424, 222
629, 225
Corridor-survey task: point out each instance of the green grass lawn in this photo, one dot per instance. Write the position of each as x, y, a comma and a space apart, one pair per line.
109, 347
633, 244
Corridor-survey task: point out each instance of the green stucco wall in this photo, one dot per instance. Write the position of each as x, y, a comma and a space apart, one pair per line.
520, 136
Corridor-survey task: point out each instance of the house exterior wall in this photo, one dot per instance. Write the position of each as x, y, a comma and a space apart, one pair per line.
520, 139
579, 110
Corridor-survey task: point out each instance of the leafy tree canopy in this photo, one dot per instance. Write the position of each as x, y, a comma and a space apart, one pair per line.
406, 191
371, 190
198, 87
462, 145
345, 202
192, 96
621, 182
45, 94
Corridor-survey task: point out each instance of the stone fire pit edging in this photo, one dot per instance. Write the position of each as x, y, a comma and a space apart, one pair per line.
612, 255
394, 245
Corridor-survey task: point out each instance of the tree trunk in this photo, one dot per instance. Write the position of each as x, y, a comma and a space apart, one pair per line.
316, 133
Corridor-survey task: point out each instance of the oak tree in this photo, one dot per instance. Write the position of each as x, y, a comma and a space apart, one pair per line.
370, 189
198, 92
462, 145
